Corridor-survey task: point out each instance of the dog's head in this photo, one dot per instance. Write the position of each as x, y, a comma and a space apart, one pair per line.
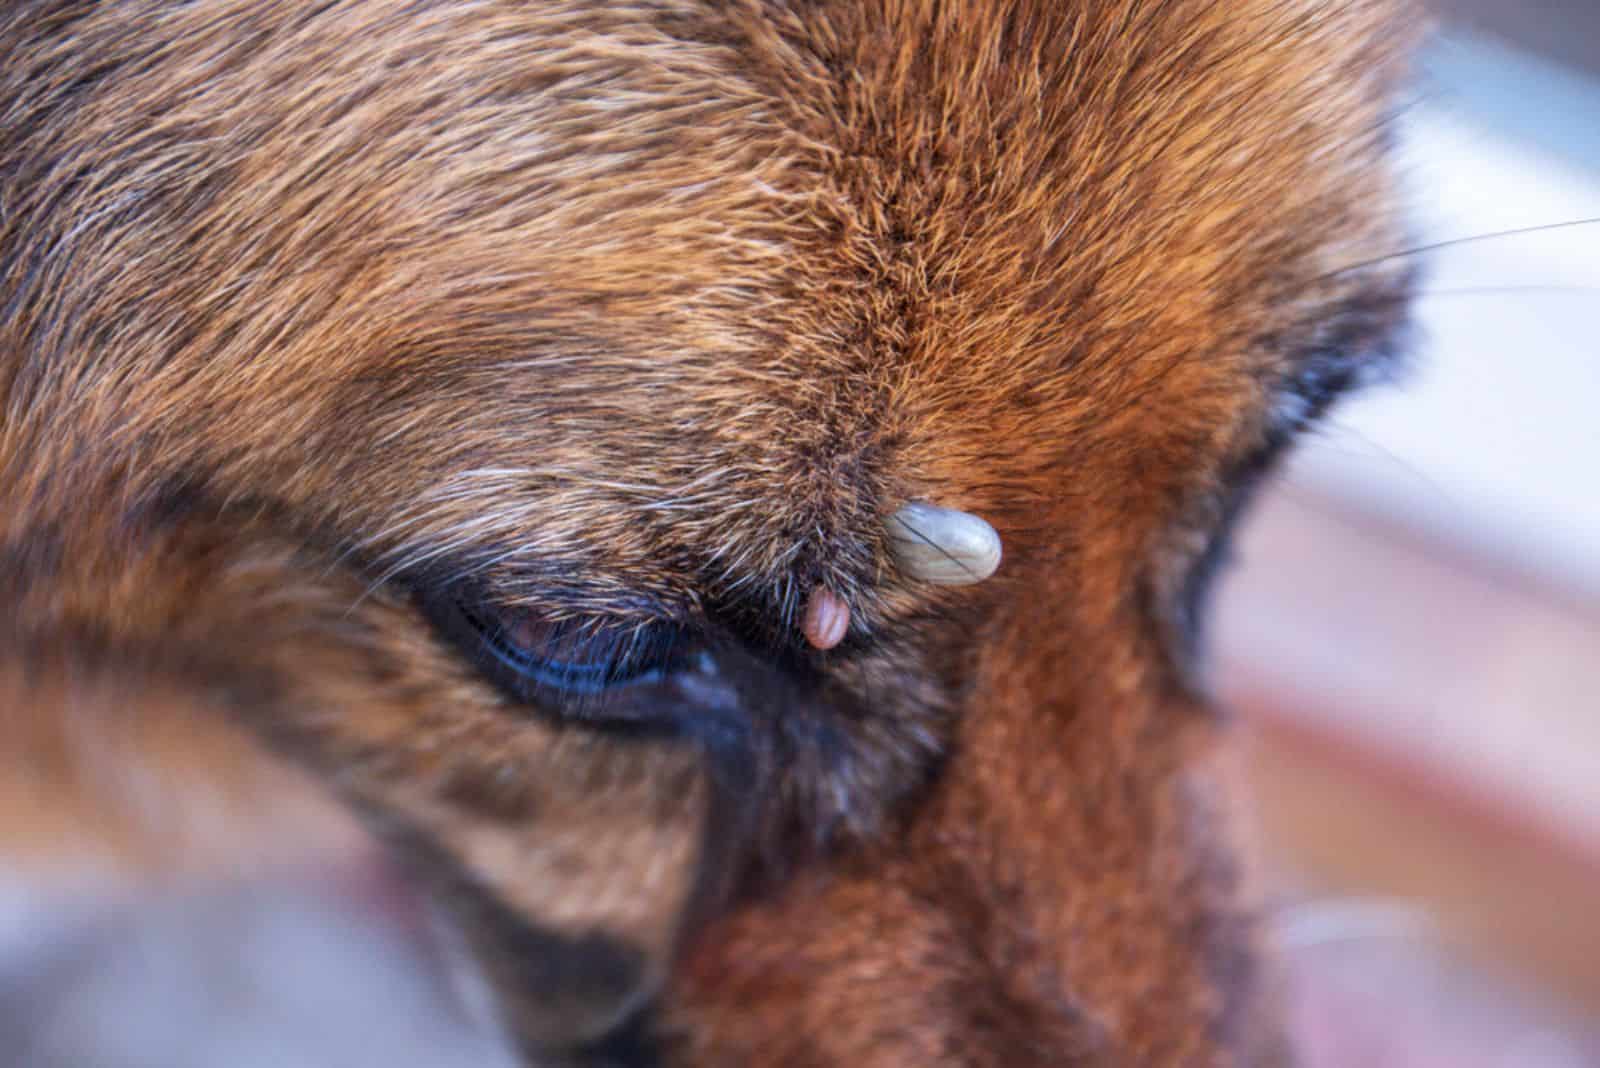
510, 414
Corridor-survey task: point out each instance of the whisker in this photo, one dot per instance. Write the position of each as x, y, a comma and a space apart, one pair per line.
1340, 439
1492, 291
1456, 242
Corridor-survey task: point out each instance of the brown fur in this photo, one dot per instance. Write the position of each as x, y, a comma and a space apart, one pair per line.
653, 310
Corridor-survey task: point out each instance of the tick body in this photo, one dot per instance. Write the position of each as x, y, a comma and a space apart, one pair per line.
827, 619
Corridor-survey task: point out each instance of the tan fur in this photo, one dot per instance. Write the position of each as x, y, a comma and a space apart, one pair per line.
657, 310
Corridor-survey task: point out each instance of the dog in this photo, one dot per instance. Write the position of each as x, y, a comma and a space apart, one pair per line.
712, 500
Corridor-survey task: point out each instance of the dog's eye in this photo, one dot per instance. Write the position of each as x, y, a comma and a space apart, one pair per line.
534, 659
1361, 343
1303, 399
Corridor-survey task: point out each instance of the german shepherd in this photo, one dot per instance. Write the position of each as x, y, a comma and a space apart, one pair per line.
711, 499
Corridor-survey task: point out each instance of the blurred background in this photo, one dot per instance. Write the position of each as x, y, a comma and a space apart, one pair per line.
1412, 633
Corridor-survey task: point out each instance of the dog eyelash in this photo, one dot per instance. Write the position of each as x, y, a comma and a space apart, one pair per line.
580, 657
1363, 342
1309, 395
